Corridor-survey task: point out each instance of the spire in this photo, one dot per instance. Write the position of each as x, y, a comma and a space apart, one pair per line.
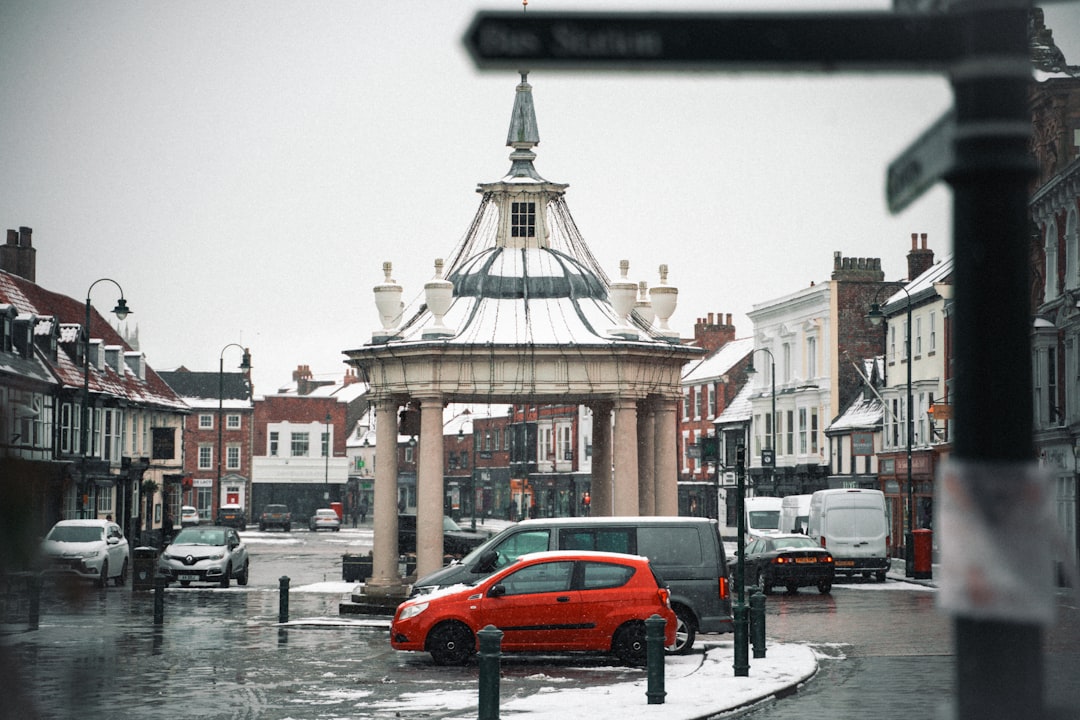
523, 134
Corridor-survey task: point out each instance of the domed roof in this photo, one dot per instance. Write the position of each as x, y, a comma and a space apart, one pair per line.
525, 273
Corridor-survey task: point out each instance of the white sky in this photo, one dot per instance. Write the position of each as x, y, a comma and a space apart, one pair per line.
242, 169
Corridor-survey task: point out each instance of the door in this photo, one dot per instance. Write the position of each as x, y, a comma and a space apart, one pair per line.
536, 608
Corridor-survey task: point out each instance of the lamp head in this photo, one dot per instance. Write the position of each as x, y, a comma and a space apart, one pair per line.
245, 362
121, 310
750, 369
875, 316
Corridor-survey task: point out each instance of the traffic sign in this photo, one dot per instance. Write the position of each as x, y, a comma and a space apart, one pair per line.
763, 42
922, 164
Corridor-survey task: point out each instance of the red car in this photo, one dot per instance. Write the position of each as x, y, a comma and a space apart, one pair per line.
549, 601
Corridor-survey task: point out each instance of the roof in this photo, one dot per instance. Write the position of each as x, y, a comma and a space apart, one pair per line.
208, 385
921, 286
720, 362
28, 297
862, 414
739, 409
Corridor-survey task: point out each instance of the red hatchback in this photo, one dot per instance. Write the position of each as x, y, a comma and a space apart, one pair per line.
550, 601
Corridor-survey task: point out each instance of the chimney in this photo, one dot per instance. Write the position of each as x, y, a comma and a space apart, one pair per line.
856, 269
712, 333
920, 259
17, 256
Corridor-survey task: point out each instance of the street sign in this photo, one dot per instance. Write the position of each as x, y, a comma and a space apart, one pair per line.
768, 458
922, 164
762, 42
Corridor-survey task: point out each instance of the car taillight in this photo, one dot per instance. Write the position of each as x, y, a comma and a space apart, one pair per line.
665, 597
823, 543
724, 590
828, 558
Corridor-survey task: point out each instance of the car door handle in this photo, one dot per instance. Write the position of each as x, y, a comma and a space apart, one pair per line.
562, 598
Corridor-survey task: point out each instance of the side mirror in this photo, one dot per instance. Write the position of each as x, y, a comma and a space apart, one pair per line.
497, 591
486, 562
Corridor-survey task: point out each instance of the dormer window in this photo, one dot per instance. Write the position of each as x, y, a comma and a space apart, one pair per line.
523, 219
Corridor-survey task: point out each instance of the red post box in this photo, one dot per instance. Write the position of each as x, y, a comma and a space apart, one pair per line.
924, 554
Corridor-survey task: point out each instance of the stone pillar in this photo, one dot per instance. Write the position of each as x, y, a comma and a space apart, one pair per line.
646, 437
624, 453
429, 488
601, 460
666, 460
385, 577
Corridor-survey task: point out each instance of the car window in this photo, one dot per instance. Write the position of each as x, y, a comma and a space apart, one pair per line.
753, 547
520, 544
798, 542
75, 533
540, 578
196, 536
666, 546
597, 575
618, 540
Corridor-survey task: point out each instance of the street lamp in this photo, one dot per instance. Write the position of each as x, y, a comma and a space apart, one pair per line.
121, 311
326, 471
876, 316
768, 457
245, 364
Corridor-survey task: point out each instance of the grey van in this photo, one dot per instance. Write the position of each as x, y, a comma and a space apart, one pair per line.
686, 552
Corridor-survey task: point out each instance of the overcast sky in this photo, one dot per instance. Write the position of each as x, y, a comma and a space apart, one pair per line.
243, 169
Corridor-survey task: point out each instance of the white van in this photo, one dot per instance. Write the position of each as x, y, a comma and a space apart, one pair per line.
853, 524
794, 513
762, 516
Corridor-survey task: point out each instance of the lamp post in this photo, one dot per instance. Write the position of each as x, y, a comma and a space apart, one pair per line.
876, 316
245, 364
768, 456
121, 311
326, 471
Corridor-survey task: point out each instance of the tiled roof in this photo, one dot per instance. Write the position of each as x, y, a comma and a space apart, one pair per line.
720, 362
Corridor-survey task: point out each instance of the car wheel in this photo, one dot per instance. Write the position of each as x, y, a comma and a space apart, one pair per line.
262, 528
103, 578
763, 582
792, 589
824, 587
121, 579
685, 632
881, 576
242, 578
629, 643
287, 528
450, 643
226, 577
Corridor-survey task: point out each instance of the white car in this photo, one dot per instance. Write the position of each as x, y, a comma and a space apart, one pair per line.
188, 516
88, 549
324, 518
206, 553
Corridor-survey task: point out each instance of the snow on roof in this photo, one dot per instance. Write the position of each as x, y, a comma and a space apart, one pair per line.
739, 409
720, 362
936, 273
862, 414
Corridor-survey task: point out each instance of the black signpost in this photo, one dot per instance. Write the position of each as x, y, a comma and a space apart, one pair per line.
983, 47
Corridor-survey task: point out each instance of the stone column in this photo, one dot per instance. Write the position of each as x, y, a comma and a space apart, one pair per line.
601, 460
666, 460
624, 453
385, 577
429, 488
646, 436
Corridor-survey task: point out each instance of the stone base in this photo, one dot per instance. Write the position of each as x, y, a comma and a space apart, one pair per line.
370, 606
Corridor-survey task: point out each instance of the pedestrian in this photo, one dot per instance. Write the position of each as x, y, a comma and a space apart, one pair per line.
363, 511
166, 528
353, 514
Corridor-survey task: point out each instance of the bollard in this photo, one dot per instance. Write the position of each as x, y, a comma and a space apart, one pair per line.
159, 600
35, 601
654, 659
757, 623
742, 659
283, 599
490, 655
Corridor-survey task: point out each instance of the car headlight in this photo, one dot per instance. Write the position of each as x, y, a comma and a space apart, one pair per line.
216, 556
413, 610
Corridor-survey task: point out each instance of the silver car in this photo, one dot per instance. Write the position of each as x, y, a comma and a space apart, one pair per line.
88, 549
205, 554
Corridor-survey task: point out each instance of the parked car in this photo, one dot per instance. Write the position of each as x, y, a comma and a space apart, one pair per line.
685, 551
232, 516
457, 541
551, 601
324, 519
188, 516
87, 549
793, 561
276, 516
205, 554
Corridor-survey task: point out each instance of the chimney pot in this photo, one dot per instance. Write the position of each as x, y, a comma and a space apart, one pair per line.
914, 241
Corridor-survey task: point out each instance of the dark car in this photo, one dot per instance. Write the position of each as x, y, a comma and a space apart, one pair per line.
275, 516
457, 542
231, 516
793, 561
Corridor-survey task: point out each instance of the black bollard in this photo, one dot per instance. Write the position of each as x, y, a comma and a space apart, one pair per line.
654, 659
490, 659
159, 600
35, 601
283, 599
757, 623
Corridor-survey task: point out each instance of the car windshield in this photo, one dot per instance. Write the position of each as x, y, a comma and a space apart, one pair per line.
275, 509
76, 533
197, 536
326, 513
797, 542
449, 524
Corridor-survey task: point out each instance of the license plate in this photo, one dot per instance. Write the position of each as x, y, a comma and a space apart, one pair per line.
806, 560
845, 563
187, 578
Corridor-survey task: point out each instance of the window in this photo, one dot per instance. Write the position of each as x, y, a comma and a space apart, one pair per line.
464, 461
206, 457
697, 403
786, 354
686, 404
907, 348
598, 576
932, 329
618, 540
813, 430
523, 219
232, 422
802, 431
164, 443
104, 499
811, 358
1054, 413
565, 447
66, 444
204, 501
712, 401
206, 421
324, 450
232, 457
542, 578
300, 443
790, 428
892, 343
918, 336
273, 443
